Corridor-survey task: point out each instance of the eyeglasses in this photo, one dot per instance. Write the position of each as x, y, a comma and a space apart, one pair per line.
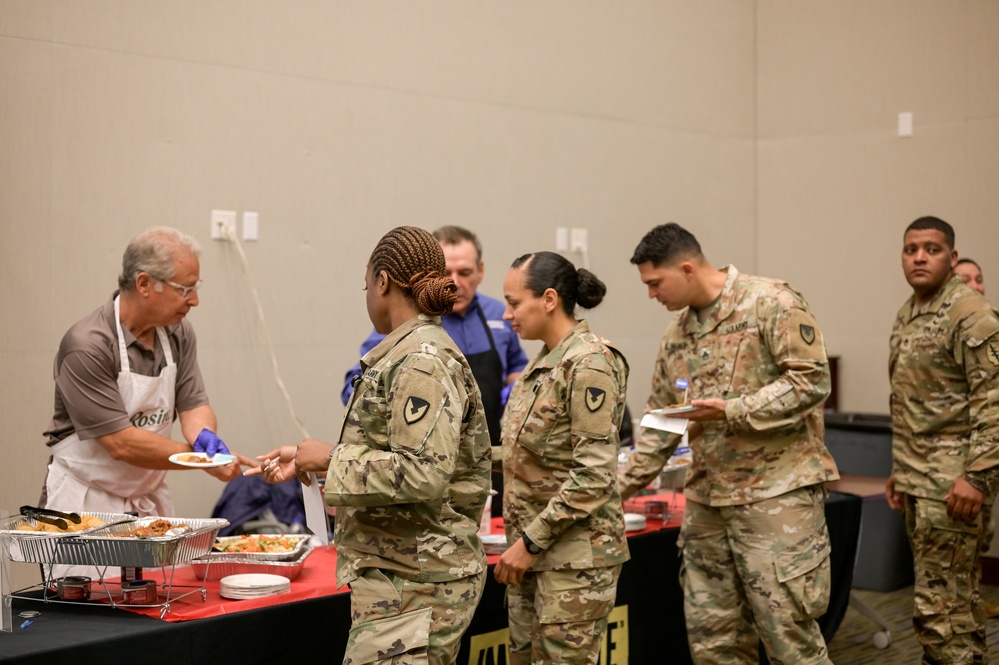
185, 291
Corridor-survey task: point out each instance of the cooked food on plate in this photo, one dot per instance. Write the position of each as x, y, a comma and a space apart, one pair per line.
194, 458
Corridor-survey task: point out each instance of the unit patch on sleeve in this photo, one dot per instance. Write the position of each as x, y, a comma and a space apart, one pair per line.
807, 333
416, 408
595, 398
592, 404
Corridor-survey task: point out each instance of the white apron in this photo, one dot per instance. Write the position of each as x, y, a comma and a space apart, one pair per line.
84, 477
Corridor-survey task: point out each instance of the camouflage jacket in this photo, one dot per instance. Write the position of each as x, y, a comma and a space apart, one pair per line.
944, 366
758, 348
560, 447
411, 470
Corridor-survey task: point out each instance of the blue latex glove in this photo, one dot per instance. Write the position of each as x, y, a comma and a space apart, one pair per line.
209, 444
505, 394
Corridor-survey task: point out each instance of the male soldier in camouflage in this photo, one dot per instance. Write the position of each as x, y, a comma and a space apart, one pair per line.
411, 471
754, 539
944, 366
560, 444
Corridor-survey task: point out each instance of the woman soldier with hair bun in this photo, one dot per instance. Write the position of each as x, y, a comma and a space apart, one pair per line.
410, 473
563, 514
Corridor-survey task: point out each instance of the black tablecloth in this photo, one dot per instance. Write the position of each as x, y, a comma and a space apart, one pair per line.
318, 627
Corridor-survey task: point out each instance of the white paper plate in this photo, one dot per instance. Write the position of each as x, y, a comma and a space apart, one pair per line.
675, 410
634, 522
218, 460
494, 543
254, 581
253, 585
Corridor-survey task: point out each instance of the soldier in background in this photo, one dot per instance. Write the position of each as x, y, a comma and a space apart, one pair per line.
944, 366
411, 471
564, 518
754, 539
971, 274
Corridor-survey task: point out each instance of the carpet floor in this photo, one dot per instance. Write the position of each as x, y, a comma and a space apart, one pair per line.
853, 643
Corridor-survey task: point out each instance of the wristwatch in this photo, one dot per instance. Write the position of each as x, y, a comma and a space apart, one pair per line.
531, 547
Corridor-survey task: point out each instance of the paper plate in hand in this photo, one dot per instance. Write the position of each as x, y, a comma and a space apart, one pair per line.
201, 460
674, 410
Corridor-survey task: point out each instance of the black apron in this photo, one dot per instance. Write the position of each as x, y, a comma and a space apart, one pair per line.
487, 368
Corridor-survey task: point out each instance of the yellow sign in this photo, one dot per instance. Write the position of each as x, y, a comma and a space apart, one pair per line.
494, 649
614, 649
490, 648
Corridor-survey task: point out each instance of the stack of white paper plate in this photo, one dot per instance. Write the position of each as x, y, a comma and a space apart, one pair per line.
253, 585
634, 522
494, 543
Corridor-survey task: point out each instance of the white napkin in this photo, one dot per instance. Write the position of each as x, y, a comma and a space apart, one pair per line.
659, 421
315, 513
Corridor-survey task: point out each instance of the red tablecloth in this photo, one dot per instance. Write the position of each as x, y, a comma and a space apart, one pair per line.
318, 576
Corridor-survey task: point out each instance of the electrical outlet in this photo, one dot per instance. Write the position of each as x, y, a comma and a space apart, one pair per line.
579, 240
221, 220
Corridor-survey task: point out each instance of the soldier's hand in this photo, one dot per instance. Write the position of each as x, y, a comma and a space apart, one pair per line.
312, 455
893, 498
964, 502
276, 466
707, 409
513, 564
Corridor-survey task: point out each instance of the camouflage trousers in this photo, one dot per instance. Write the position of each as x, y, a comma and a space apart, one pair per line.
757, 572
398, 621
560, 616
948, 616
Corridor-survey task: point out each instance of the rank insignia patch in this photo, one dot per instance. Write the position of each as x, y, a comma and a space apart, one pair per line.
994, 353
416, 408
595, 398
807, 333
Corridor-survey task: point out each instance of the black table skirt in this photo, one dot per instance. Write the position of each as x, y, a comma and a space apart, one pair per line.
318, 627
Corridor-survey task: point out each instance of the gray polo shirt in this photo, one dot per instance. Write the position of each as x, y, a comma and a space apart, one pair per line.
86, 370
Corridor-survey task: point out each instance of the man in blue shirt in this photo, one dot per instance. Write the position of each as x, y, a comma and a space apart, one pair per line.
477, 327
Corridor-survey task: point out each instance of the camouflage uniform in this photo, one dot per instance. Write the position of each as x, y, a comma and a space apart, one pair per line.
754, 539
944, 367
411, 476
560, 446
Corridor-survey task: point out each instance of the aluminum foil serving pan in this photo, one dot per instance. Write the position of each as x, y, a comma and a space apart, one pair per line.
121, 545
263, 546
217, 565
41, 546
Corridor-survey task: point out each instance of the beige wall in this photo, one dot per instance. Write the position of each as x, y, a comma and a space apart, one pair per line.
337, 121
765, 127
837, 186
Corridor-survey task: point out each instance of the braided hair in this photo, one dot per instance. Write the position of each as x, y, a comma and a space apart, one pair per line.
414, 261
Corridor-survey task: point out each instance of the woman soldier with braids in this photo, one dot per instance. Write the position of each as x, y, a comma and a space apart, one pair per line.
410, 474
562, 509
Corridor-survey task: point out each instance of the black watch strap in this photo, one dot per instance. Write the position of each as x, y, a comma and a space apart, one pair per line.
531, 547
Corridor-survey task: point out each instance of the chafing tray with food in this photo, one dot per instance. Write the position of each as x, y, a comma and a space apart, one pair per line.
217, 565
147, 542
262, 546
33, 538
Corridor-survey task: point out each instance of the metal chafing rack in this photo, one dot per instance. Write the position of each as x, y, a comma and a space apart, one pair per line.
113, 544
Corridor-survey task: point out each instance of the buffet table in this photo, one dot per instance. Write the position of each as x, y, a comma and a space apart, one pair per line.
314, 619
